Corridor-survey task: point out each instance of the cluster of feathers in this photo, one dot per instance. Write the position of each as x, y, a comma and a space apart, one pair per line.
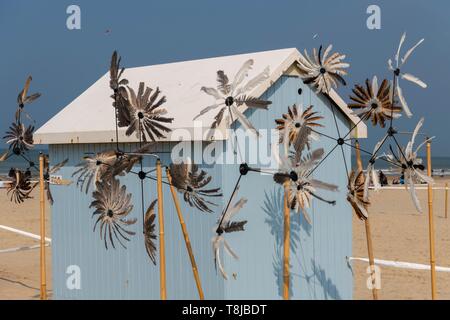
19, 138
141, 113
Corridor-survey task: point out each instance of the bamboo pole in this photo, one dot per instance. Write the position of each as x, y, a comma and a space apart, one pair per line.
186, 237
368, 232
43, 294
431, 225
162, 252
446, 200
286, 244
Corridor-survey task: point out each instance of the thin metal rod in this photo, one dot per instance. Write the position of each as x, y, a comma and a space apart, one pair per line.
332, 105
323, 134
431, 225
446, 200
162, 252
142, 180
186, 237
371, 154
399, 147
231, 197
286, 243
345, 161
394, 84
321, 161
236, 142
116, 110
43, 292
363, 118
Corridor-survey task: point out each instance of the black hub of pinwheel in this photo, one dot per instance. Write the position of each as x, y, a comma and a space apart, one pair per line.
397, 72
293, 175
391, 131
229, 101
374, 105
340, 141
322, 70
17, 151
297, 124
142, 175
189, 189
140, 115
244, 169
109, 213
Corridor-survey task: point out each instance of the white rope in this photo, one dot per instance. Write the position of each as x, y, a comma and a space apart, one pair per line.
22, 248
402, 187
24, 233
400, 264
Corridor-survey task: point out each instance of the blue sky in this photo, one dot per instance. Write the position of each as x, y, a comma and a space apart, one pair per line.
35, 40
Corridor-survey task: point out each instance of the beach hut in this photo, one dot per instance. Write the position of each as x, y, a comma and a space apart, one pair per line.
319, 269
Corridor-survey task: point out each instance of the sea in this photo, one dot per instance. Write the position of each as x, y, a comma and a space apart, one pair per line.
440, 165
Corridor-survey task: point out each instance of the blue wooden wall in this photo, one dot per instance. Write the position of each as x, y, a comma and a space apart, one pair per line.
318, 265
318, 252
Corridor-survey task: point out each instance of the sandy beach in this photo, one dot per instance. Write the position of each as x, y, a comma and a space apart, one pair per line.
399, 234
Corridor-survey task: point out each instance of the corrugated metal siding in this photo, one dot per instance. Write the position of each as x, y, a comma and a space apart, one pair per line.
318, 264
319, 269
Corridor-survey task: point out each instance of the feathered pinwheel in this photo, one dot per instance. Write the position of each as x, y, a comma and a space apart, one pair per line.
230, 96
411, 165
117, 84
355, 194
406, 76
295, 170
191, 181
19, 185
299, 122
24, 99
19, 138
112, 205
146, 116
93, 168
323, 70
225, 225
149, 232
48, 172
373, 102
106, 165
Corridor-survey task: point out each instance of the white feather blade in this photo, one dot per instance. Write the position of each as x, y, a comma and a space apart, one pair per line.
414, 79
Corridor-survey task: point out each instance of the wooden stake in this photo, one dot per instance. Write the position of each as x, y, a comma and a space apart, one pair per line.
446, 200
186, 237
431, 225
286, 244
43, 294
368, 232
162, 252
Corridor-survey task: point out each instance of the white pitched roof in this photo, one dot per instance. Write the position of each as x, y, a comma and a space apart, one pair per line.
90, 117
